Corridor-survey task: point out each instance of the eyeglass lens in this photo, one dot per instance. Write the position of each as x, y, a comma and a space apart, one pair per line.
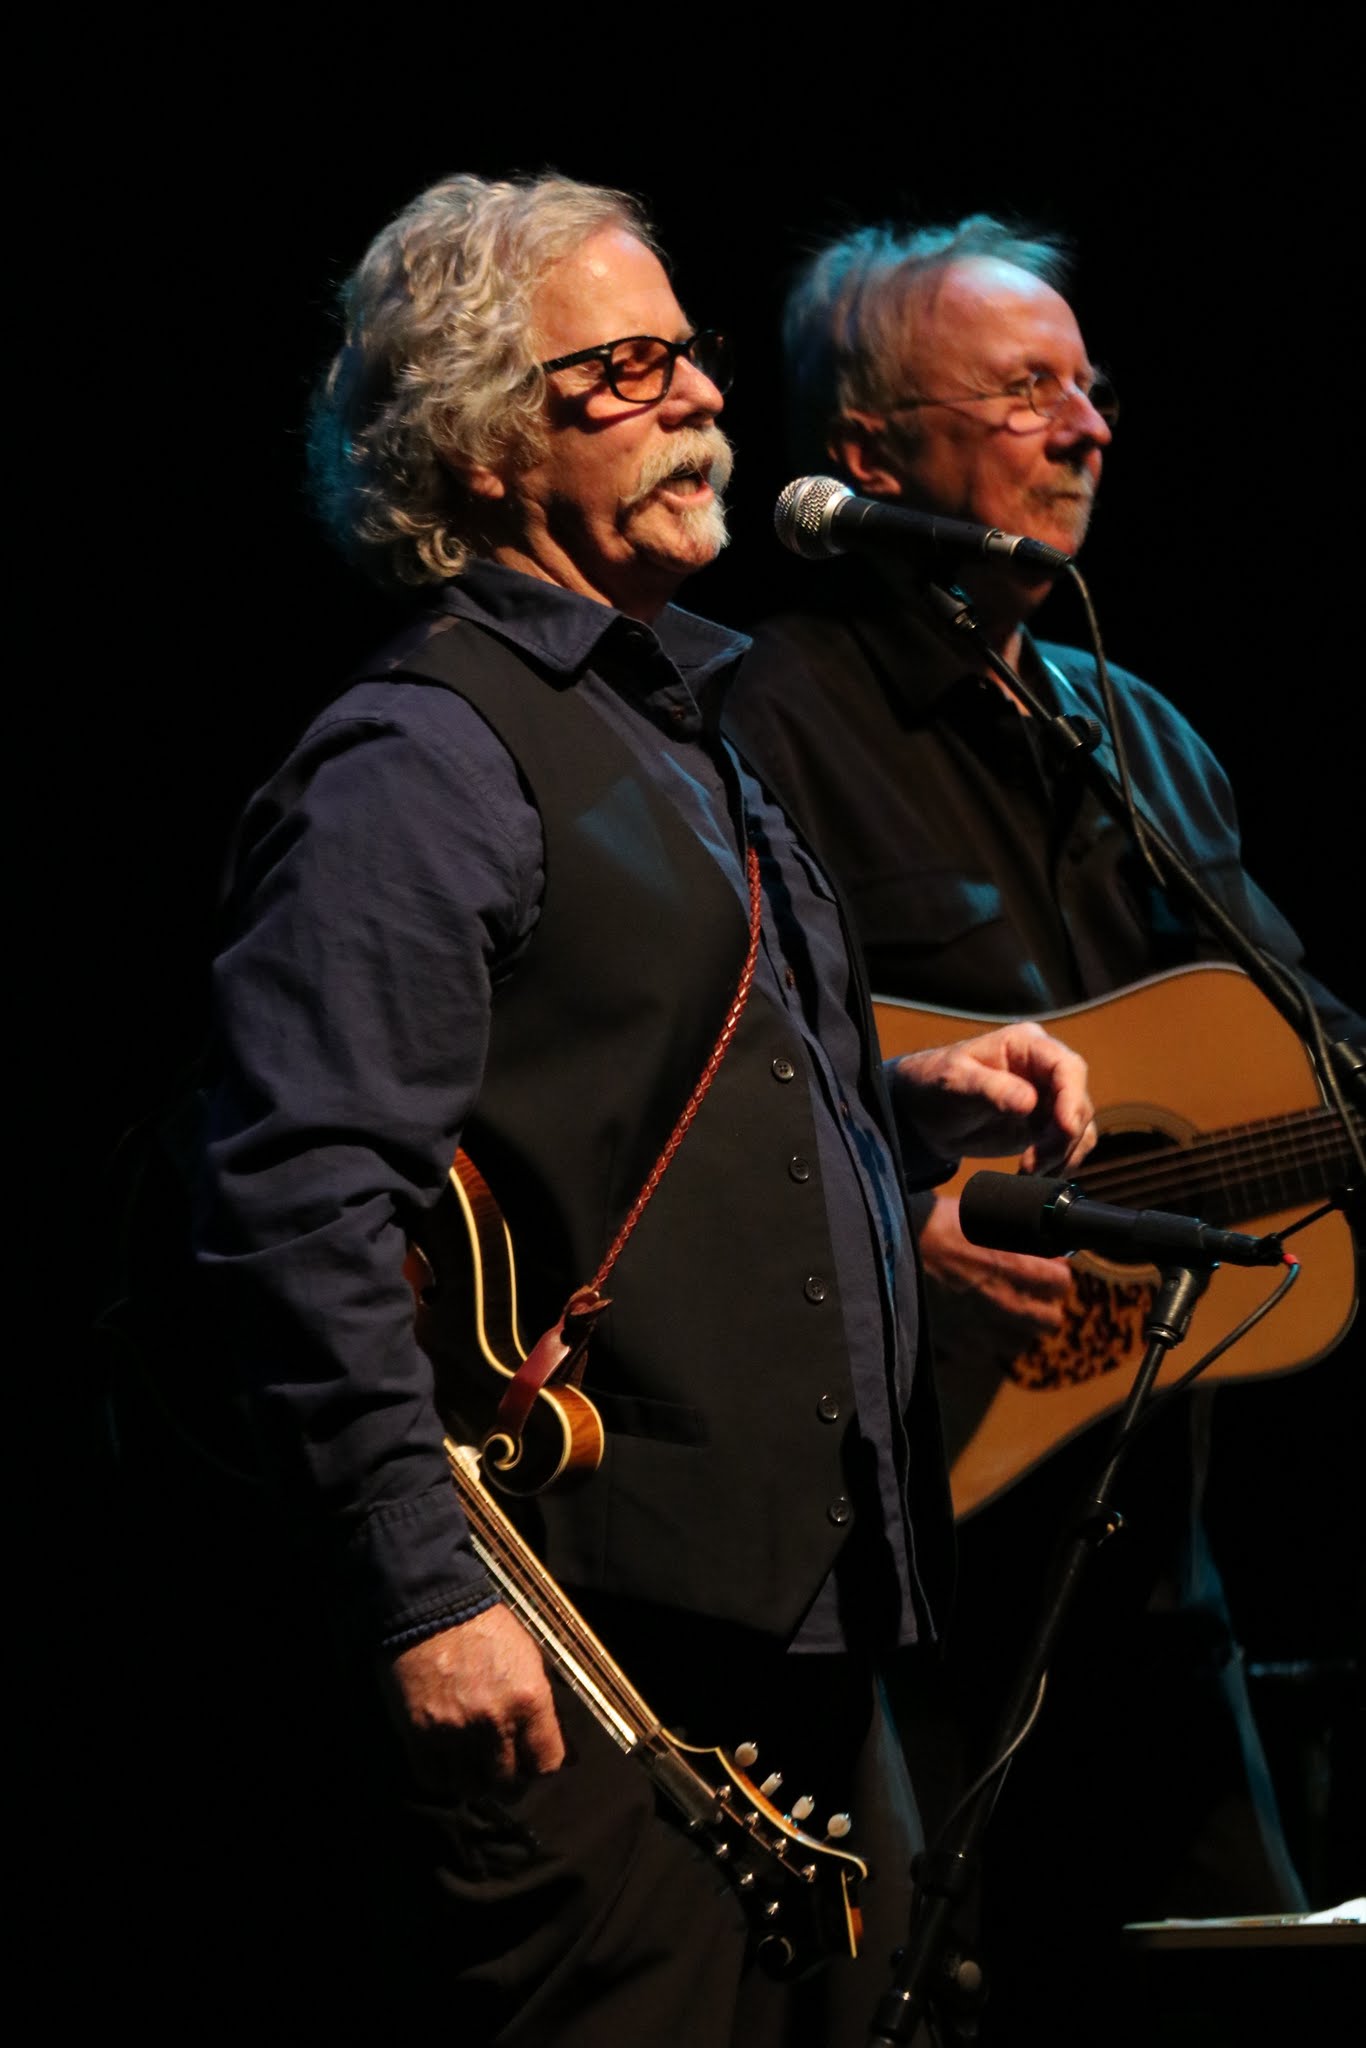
1048, 395
641, 367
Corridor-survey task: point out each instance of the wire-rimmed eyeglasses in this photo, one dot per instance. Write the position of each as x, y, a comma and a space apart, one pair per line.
1039, 395
639, 368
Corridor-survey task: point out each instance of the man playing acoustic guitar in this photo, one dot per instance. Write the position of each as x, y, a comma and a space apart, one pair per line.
941, 370
512, 896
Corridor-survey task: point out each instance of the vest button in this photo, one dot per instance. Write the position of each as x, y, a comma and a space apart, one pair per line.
828, 1408
839, 1512
783, 1070
815, 1288
799, 1169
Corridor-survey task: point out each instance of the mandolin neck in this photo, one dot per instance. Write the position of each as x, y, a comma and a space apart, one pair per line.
562, 1633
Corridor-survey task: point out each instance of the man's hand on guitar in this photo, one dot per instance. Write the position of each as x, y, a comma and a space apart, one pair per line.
1027, 1293
1012, 1090
475, 1707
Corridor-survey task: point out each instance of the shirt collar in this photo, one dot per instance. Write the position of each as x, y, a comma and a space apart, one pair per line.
564, 631
919, 668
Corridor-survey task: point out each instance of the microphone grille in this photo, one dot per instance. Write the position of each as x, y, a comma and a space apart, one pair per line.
801, 517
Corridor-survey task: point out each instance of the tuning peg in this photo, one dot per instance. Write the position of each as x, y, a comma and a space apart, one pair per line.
802, 1807
837, 1825
746, 1753
771, 1784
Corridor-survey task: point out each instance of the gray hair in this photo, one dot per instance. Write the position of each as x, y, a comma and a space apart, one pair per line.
845, 323
438, 370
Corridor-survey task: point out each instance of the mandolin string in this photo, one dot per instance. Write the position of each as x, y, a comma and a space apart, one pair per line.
563, 1637
530, 1577
549, 1604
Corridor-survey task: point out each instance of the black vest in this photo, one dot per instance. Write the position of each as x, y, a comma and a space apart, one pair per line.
723, 1352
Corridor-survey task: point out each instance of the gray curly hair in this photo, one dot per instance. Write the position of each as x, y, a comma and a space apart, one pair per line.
845, 323
438, 366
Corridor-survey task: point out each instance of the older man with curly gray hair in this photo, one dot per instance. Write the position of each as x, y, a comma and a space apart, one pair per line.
512, 901
439, 375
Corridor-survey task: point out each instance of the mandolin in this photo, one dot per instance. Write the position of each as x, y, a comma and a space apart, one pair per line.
800, 1892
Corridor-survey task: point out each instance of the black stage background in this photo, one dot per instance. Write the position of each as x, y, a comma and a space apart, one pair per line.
1202, 187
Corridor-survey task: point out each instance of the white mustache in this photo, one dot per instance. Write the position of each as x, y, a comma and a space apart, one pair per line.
704, 449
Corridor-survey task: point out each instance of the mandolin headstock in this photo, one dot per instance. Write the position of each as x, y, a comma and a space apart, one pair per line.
800, 1892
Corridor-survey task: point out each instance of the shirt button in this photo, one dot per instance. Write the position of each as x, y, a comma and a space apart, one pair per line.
828, 1408
815, 1288
799, 1169
844, 1111
783, 1070
790, 977
678, 712
838, 1512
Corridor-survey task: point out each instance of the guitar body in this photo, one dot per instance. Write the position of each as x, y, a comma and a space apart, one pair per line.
1195, 1076
464, 1284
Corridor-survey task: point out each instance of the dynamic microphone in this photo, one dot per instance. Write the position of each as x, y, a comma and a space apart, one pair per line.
818, 516
1019, 1212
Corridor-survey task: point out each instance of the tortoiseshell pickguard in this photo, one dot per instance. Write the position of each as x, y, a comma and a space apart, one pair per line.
1103, 1329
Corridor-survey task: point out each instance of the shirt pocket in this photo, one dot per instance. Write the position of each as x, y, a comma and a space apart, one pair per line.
929, 909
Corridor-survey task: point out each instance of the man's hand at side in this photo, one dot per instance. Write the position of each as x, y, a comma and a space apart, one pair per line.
475, 1707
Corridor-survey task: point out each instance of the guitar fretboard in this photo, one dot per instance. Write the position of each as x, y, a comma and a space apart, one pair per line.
1230, 1175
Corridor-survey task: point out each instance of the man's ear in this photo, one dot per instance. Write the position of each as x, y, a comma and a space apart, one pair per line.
856, 447
481, 481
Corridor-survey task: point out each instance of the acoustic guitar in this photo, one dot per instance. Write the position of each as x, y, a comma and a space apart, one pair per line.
1208, 1107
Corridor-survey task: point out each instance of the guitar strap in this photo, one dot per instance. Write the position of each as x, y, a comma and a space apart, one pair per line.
560, 1352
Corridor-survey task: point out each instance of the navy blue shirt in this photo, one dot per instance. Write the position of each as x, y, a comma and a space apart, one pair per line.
388, 875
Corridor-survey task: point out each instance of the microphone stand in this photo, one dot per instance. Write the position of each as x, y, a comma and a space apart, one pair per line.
1340, 1067
944, 1871
926, 1973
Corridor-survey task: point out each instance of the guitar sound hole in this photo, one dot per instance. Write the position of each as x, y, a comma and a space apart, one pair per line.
1135, 1168
1117, 1147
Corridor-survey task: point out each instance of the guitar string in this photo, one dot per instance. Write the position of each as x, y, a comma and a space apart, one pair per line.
1271, 1154
1297, 1166
1300, 1176
1264, 1135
